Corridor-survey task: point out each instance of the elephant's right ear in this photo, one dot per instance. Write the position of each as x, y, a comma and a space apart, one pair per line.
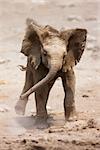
75, 44
31, 40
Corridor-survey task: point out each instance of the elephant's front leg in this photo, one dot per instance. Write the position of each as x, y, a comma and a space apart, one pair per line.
68, 80
21, 104
41, 97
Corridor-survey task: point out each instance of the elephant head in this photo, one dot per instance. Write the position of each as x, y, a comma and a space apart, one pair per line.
56, 50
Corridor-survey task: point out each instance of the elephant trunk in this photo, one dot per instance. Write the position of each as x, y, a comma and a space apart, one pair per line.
52, 72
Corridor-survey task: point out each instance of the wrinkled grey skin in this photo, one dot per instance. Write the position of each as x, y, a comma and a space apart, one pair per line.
50, 54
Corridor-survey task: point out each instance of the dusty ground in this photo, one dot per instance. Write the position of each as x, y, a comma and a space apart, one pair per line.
18, 132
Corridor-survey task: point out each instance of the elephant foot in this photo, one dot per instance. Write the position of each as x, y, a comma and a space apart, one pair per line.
71, 115
20, 107
41, 123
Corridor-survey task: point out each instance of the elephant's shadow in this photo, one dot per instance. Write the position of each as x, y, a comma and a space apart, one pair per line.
29, 122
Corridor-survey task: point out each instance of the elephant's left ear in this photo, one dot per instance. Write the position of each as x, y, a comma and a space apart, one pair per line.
75, 44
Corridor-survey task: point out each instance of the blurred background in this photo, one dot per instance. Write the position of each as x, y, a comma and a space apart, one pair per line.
61, 14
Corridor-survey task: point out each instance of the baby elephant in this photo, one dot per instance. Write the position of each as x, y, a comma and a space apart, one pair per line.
50, 54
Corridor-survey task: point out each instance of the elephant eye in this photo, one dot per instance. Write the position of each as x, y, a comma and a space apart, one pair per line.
65, 54
24, 40
44, 52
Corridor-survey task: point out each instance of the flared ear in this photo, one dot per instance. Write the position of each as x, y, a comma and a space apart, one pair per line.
75, 44
31, 45
31, 40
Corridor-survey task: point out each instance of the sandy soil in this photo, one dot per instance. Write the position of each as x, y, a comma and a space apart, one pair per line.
19, 132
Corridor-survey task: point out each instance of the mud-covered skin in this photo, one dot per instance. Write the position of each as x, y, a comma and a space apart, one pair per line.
51, 54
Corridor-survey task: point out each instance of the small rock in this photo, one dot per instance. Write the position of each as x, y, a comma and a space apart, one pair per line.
74, 141
98, 129
54, 130
7, 142
50, 131
24, 141
84, 127
91, 123
34, 141
85, 96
